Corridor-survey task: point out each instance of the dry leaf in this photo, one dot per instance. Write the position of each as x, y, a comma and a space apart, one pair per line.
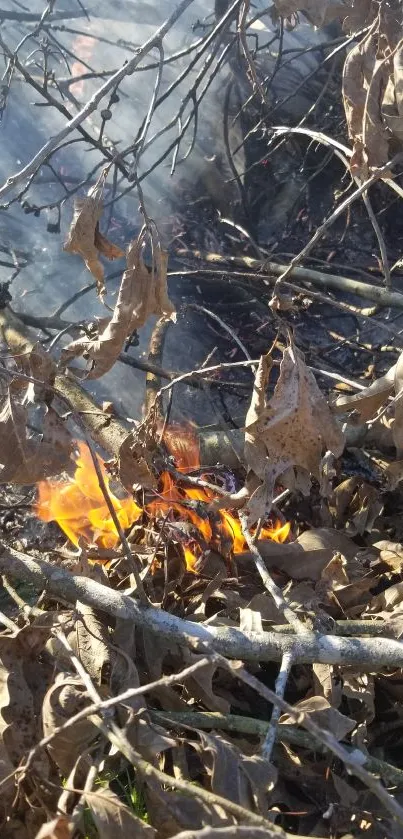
397, 428
318, 12
134, 463
25, 460
200, 684
361, 688
113, 819
368, 401
60, 828
323, 715
143, 292
243, 779
91, 643
147, 738
171, 812
18, 721
292, 430
84, 237
65, 698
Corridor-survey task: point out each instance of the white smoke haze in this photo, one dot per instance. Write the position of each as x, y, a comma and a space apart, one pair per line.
79, 54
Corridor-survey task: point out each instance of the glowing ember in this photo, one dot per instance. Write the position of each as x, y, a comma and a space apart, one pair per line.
78, 506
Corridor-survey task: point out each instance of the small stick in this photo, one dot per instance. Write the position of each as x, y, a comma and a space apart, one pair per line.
280, 686
258, 728
268, 581
353, 760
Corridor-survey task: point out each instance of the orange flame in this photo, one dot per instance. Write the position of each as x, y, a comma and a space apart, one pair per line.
79, 507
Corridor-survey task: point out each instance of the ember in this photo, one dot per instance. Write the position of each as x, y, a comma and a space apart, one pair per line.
78, 506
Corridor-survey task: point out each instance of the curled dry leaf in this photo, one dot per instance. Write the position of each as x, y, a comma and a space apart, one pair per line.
18, 726
26, 460
65, 698
323, 715
59, 828
143, 292
84, 237
318, 12
292, 430
113, 819
368, 401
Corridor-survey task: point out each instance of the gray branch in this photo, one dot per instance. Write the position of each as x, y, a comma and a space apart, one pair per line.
363, 653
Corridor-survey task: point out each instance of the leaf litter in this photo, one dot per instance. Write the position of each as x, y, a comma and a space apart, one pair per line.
118, 769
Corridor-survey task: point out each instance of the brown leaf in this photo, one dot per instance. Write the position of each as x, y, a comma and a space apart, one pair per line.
113, 819
147, 738
292, 430
171, 812
360, 688
90, 641
201, 685
323, 715
59, 828
84, 237
387, 600
318, 12
18, 722
134, 462
25, 460
65, 698
243, 779
325, 683
397, 428
143, 292
368, 401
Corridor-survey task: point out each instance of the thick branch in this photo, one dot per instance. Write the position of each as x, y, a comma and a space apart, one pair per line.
364, 654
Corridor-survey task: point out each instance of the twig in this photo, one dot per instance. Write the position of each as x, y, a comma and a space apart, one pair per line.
373, 654
155, 356
224, 326
30, 168
378, 294
255, 727
343, 206
280, 686
117, 737
353, 760
100, 705
268, 581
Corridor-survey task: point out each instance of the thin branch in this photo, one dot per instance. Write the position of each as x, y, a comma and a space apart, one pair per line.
268, 581
365, 654
353, 760
259, 728
30, 168
280, 686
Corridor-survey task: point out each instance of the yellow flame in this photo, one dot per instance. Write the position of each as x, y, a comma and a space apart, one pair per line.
78, 505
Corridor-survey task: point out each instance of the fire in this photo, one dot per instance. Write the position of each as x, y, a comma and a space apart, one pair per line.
79, 507
78, 504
